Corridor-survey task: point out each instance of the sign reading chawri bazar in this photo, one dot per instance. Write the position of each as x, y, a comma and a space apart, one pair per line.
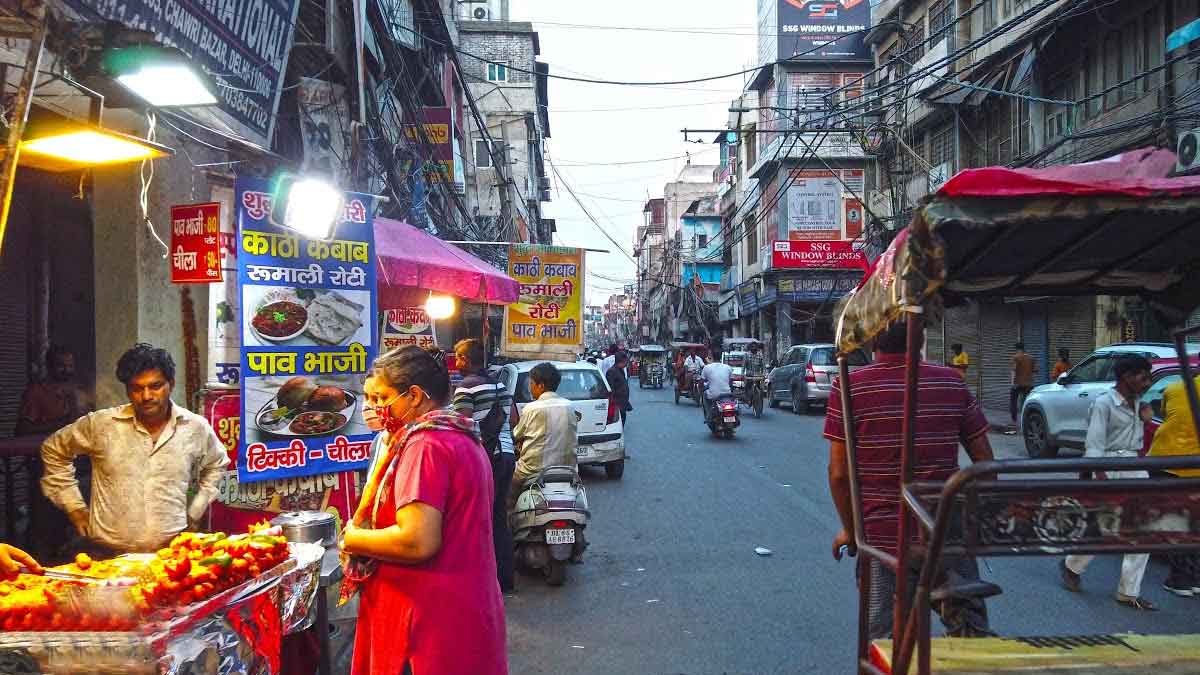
242, 44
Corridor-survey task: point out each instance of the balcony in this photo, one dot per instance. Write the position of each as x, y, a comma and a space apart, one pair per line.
831, 145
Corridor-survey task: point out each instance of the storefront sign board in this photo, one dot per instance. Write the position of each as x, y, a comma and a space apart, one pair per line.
548, 317
195, 243
403, 326
818, 255
814, 206
816, 287
309, 329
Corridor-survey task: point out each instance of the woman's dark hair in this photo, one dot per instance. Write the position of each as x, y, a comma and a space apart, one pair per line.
474, 352
403, 367
143, 357
546, 375
1131, 363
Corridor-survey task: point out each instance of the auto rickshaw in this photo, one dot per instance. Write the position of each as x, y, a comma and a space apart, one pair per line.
685, 386
1120, 228
653, 359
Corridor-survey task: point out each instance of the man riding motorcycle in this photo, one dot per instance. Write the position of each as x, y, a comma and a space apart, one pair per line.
718, 382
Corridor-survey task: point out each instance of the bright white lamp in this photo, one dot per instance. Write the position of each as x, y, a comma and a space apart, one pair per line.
439, 306
161, 76
309, 206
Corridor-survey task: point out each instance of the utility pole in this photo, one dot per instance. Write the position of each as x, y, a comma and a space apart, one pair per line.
505, 171
20, 110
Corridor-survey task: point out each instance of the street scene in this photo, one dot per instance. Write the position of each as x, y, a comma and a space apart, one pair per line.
476, 337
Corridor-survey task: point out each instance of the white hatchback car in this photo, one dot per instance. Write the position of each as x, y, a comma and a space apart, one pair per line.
601, 437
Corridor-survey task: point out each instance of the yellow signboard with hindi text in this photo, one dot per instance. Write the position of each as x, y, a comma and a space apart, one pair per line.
548, 317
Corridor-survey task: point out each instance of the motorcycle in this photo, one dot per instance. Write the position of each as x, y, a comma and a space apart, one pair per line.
724, 417
548, 522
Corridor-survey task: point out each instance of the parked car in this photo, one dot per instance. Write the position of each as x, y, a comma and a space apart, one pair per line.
1055, 415
601, 437
805, 376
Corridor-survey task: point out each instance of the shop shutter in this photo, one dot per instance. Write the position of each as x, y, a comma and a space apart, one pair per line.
936, 350
1194, 320
999, 324
1072, 323
1034, 327
14, 313
962, 326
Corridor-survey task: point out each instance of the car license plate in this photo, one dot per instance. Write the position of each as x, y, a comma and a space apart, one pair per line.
560, 536
730, 418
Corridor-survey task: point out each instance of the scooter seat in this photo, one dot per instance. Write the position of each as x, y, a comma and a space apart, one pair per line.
554, 474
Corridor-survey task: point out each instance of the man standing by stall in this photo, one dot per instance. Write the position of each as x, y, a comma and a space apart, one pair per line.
145, 453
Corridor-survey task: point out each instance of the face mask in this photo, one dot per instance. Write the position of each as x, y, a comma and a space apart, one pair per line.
371, 418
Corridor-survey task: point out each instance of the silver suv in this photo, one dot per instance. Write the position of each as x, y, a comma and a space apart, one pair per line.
805, 377
1055, 415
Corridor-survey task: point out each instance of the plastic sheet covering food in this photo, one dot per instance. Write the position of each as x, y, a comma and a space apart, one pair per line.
298, 589
907, 275
66, 653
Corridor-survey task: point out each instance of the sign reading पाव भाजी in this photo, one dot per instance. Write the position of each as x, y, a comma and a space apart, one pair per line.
196, 243
549, 314
309, 332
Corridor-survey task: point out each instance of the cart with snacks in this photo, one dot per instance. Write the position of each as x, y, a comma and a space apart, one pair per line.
685, 385
652, 360
204, 603
1120, 228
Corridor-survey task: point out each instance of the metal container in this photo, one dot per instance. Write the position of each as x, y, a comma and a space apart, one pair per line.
317, 527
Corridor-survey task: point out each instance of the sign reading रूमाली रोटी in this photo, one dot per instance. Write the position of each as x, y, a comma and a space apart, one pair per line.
549, 314
309, 311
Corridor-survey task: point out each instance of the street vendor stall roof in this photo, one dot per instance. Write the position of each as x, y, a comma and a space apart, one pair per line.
1115, 227
411, 258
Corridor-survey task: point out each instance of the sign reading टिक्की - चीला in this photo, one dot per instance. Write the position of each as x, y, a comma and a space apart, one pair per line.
195, 254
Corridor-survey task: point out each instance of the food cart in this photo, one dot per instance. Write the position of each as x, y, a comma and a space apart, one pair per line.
652, 366
1107, 228
684, 386
205, 600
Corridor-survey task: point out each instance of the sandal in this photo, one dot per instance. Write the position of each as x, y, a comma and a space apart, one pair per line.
1136, 603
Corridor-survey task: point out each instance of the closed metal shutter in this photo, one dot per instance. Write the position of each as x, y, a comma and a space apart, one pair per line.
14, 313
1034, 333
1194, 320
999, 325
935, 349
1073, 326
962, 326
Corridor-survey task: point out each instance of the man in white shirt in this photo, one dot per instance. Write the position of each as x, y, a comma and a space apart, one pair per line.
718, 382
1115, 430
546, 433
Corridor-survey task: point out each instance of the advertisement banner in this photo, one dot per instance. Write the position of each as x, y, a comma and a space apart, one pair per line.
817, 287
854, 219
224, 303
243, 44
814, 206
821, 29
818, 255
309, 329
196, 243
437, 124
748, 297
325, 121
223, 410
404, 326
549, 314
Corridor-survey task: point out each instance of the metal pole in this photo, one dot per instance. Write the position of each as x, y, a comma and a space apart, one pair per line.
21, 102
505, 171
864, 564
912, 366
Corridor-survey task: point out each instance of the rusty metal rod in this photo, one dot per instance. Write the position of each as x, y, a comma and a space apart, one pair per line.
912, 368
20, 113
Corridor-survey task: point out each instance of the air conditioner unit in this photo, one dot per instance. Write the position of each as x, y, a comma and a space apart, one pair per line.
1187, 152
480, 14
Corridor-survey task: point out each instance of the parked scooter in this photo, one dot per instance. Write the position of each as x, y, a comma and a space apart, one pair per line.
724, 417
548, 522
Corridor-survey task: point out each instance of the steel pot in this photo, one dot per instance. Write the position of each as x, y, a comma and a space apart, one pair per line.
316, 527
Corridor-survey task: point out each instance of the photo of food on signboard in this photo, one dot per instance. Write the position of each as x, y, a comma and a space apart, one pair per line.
276, 315
303, 406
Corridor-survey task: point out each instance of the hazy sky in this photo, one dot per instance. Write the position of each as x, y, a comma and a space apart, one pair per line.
594, 123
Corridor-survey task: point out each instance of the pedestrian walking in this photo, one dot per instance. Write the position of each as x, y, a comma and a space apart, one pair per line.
488, 403
1022, 380
618, 382
961, 361
419, 544
949, 415
1062, 365
1176, 437
1115, 430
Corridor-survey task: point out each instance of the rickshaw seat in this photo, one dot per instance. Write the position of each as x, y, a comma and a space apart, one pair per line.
970, 589
1117, 654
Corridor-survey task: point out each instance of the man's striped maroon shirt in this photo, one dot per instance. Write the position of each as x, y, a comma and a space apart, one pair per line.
947, 414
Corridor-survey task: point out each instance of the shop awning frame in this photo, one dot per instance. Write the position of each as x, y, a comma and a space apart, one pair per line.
408, 258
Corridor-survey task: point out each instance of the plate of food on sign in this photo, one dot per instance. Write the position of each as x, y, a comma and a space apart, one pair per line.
303, 407
306, 316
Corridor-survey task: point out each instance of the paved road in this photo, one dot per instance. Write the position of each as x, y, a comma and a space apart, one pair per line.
672, 583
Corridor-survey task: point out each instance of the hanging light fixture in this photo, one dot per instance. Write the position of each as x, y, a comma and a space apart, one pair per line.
62, 144
312, 207
439, 306
160, 76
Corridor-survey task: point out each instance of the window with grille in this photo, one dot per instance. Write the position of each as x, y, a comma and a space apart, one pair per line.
701, 241
497, 72
916, 41
483, 154
941, 16
1094, 82
941, 145
1129, 61
1022, 138
1152, 48
1112, 69
1060, 87
751, 225
989, 14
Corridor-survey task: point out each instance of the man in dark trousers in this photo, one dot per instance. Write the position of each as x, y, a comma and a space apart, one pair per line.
487, 401
619, 384
949, 415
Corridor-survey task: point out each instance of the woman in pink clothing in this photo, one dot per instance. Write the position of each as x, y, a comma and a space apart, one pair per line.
420, 543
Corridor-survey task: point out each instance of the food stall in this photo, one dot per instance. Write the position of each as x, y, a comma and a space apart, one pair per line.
203, 600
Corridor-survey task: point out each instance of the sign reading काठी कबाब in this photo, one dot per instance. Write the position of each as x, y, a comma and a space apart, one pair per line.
817, 255
196, 243
549, 314
407, 326
309, 324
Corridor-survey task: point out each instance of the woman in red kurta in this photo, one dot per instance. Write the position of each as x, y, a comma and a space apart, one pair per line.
421, 539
